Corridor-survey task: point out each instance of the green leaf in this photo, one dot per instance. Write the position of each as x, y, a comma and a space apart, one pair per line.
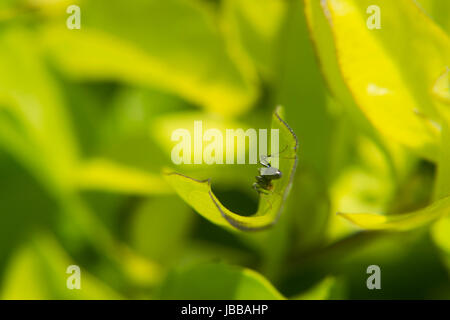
35, 126
176, 46
442, 184
439, 10
102, 174
253, 27
400, 222
38, 271
162, 218
162, 127
381, 75
323, 41
313, 126
198, 193
320, 291
224, 282
441, 229
441, 88
441, 234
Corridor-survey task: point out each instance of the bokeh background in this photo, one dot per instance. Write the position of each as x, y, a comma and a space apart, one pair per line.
85, 123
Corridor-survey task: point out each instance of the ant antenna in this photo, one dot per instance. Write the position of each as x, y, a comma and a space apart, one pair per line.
279, 152
264, 158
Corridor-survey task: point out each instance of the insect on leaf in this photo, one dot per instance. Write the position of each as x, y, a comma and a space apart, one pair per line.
198, 193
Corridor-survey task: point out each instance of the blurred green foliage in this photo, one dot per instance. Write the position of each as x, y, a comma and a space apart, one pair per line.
85, 123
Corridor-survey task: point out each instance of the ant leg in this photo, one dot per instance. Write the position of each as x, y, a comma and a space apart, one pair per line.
258, 189
269, 207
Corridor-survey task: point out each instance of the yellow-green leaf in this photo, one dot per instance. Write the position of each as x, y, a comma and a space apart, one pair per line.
320, 291
35, 124
102, 174
253, 27
390, 82
441, 229
442, 182
441, 234
198, 193
400, 222
38, 271
439, 10
162, 127
441, 88
224, 282
175, 46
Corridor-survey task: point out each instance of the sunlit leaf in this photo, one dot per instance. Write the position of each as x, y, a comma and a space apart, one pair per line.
254, 26
320, 291
441, 229
400, 222
175, 46
102, 174
223, 282
38, 271
79, 218
441, 234
442, 182
198, 194
439, 10
323, 41
382, 75
162, 127
441, 88
304, 98
167, 218
37, 131
322, 38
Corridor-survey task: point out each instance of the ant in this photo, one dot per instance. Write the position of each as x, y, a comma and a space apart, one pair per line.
267, 173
